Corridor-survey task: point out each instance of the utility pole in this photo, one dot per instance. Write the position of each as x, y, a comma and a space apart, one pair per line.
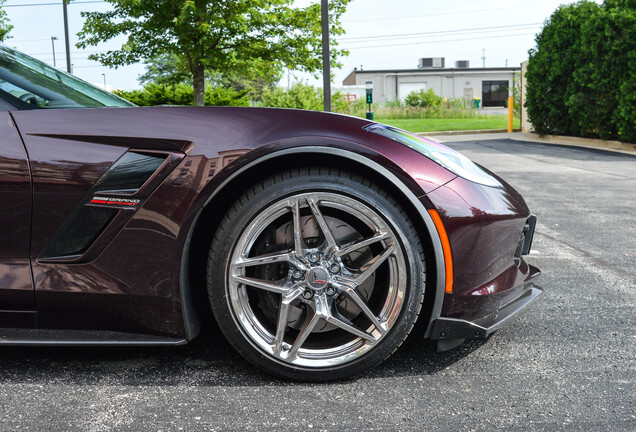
483, 57
506, 62
53, 39
69, 69
326, 66
104, 75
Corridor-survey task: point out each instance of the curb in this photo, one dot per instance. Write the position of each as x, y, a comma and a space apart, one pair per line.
466, 132
590, 143
615, 146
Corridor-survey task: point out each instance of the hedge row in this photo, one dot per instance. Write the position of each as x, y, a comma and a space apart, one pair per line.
182, 94
582, 75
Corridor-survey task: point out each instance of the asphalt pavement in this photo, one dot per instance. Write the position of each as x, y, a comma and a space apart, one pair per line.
569, 363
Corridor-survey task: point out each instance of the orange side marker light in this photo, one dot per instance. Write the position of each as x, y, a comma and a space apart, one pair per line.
448, 256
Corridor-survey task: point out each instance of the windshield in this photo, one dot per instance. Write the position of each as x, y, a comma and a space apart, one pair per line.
27, 83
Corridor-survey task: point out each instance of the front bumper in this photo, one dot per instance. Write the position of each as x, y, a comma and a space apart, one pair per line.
490, 230
452, 329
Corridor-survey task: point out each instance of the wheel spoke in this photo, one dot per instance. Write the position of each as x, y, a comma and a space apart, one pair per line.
283, 315
299, 243
346, 325
274, 257
353, 295
371, 266
261, 284
308, 326
313, 205
363, 243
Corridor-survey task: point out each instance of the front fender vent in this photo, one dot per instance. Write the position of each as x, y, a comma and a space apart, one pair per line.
90, 219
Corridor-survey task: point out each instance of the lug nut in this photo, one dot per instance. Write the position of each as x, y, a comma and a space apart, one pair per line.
308, 294
330, 290
313, 257
334, 268
297, 274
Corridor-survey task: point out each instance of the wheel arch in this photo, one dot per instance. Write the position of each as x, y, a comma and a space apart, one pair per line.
194, 261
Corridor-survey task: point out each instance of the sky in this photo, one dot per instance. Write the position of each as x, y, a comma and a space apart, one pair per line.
380, 34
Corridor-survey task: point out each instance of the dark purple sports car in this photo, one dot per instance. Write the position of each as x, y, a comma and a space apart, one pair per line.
317, 240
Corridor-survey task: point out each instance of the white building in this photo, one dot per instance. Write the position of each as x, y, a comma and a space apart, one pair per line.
491, 85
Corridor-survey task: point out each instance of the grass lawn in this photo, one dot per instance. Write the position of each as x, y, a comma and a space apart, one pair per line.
435, 125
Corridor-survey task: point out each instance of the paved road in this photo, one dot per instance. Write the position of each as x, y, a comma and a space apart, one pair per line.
569, 363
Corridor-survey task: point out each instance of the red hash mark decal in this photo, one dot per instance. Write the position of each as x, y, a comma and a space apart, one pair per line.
115, 202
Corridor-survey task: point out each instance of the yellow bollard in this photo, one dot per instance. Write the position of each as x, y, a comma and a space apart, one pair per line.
510, 113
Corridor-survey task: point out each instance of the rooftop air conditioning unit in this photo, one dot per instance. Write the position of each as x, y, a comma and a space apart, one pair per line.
431, 62
461, 64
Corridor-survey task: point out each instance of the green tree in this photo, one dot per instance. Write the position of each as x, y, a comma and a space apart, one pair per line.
236, 37
168, 69
551, 66
605, 74
165, 68
582, 75
5, 26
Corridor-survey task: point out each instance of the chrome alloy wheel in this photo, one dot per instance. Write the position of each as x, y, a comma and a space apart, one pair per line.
316, 280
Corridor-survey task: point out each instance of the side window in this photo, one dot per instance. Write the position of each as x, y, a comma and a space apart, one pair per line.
12, 92
27, 83
494, 93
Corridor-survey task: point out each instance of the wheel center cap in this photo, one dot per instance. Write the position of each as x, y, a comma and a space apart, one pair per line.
317, 278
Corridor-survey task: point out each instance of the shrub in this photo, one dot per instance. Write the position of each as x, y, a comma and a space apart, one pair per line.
423, 99
302, 96
299, 96
182, 94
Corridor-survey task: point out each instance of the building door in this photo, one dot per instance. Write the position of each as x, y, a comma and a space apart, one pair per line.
406, 88
468, 94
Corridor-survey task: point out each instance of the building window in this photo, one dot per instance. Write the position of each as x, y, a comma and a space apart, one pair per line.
494, 93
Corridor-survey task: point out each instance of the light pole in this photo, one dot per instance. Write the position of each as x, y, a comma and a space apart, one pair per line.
104, 75
53, 39
326, 66
69, 67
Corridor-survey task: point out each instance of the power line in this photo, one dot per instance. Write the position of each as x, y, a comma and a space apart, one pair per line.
49, 58
438, 41
455, 12
450, 32
89, 66
50, 4
72, 52
34, 40
397, 39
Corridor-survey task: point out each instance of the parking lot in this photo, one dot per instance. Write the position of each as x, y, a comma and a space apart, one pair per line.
568, 363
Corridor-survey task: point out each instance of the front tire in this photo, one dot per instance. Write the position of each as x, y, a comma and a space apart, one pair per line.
316, 274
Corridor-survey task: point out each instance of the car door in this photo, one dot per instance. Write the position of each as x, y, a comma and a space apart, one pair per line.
16, 284
90, 176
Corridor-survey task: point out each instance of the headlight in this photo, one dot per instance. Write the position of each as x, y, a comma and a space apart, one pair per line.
448, 158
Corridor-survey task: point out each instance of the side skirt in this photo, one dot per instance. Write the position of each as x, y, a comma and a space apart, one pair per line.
17, 319
48, 337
